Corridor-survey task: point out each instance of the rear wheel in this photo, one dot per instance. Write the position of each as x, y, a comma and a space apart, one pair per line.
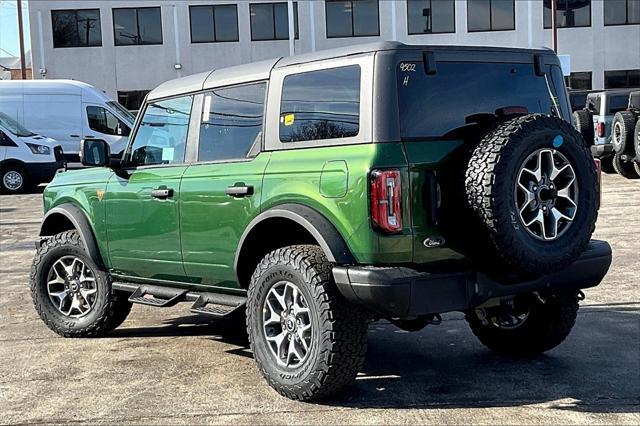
14, 179
584, 125
624, 166
527, 326
607, 165
636, 143
307, 340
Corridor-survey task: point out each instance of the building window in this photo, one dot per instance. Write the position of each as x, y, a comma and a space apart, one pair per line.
579, 81
214, 23
132, 99
570, 13
491, 15
322, 104
76, 28
270, 21
352, 18
431, 16
621, 12
231, 122
141, 25
621, 79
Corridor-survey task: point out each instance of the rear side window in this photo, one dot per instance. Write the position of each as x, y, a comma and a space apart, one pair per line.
162, 134
231, 122
438, 105
322, 104
593, 104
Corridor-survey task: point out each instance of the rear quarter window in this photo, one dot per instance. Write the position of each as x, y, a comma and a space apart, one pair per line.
438, 105
323, 104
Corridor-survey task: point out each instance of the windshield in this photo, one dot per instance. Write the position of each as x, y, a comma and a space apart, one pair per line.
14, 127
130, 118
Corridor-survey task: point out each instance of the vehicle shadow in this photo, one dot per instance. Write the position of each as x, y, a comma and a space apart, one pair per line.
596, 370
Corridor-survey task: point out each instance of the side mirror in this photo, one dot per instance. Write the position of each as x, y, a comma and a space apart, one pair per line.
95, 153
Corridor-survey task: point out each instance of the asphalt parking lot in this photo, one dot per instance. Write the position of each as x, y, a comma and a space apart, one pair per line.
168, 366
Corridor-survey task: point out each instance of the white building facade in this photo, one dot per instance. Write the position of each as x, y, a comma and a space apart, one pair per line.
128, 47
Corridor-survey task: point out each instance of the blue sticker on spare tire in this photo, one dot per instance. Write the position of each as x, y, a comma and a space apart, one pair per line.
557, 141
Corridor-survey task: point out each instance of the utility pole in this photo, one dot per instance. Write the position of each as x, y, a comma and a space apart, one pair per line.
554, 24
23, 64
292, 28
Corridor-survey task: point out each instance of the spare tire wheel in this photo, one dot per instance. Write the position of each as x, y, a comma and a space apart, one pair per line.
584, 125
622, 131
532, 183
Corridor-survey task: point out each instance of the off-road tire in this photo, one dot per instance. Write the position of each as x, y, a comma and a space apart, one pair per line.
607, 165
624, 167
546, 327
110, 308
339, 329
626, 121
636, 141
490, 179
584, 125
636, 166
5, 169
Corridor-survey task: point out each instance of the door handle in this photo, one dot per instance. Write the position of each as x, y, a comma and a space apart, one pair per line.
74, 136
162, 193
239, 191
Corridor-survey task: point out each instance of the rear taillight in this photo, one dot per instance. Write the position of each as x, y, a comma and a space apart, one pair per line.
601, 130
386, 192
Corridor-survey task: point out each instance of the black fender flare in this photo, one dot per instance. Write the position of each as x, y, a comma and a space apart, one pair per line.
80, 222
322, 230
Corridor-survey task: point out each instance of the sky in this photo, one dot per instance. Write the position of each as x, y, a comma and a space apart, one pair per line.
9, 45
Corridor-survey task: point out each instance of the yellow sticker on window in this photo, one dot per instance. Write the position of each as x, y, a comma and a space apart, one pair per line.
289, 119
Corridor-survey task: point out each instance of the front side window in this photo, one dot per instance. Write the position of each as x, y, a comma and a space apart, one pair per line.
103, 121
570, 13
322, 104
214, 23
621, 79
5, 140
141, 25
431, 16
162, 135
270, 21
76, 28
231, 122
490, 15
352, 18
621, 12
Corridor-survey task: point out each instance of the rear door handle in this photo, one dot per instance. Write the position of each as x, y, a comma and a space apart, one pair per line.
239, 191
162, 193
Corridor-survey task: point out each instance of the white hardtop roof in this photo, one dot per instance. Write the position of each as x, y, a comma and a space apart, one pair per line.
55, 87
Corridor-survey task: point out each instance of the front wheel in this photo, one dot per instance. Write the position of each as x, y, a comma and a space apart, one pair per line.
528, 326
307, 340
14, 179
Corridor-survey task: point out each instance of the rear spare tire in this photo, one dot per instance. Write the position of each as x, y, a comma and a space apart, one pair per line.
624, 166
636, 139
584, 125
622, 131
532, 184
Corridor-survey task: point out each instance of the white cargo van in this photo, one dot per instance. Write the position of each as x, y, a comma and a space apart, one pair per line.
26, 159
67, 111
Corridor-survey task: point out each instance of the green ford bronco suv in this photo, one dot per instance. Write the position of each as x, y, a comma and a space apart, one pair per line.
319, 192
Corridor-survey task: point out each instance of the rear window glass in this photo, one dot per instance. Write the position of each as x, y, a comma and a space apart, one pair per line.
435, 106
322, 104
593, 104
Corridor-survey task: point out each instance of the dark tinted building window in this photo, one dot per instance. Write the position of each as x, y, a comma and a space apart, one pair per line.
132, 99
621, 79
231, 122
431, 16
214, 23
137, 26
443, 104
490, 15
76, 28
321, 104
579, 81
621, 12
571, 13
270, 21
162, 135
352, 18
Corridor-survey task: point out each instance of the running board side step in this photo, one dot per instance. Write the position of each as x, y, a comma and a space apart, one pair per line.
216, 304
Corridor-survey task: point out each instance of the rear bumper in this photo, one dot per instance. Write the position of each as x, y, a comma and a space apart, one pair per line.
603, 150
403, 292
